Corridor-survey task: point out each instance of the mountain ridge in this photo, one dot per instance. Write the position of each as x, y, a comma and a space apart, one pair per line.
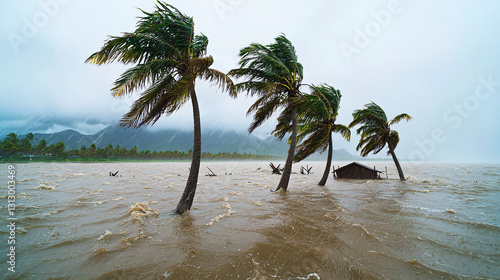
213, 141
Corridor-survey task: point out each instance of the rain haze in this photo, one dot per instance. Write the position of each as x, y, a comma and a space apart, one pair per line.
436, 61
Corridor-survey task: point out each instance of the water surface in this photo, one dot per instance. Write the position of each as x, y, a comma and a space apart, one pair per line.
77, 222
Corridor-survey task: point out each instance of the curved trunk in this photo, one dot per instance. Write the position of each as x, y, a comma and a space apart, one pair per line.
322, 182
398, 166
287, 171
189, 191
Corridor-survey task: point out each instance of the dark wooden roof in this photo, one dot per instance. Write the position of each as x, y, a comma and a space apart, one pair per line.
359, 164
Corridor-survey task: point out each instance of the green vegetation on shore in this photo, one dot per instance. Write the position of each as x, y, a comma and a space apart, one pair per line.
14, 149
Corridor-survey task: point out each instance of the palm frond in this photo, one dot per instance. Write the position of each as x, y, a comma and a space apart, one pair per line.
344, 131
140, 75
367, 132
198, 65
306, 129
317, 141
284, 125
275, 64
400, 117
258, 88
372, 113
199, 45
263, 111
166, 33
265, 59
132, 48
375, 129
370, 145
220, 79
162, 98
393, 140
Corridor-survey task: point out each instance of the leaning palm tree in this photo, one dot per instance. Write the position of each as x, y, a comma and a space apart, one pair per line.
274, 75
376, 131
168, 59
317, 119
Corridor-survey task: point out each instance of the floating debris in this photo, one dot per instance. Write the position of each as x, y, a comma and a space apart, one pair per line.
211, 174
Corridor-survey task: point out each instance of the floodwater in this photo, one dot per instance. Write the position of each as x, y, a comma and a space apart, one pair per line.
77, 222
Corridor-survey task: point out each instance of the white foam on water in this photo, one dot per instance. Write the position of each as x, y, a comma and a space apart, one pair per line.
45, 186
227, 213
107, 233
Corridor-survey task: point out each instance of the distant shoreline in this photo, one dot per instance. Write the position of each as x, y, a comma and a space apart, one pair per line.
100, 160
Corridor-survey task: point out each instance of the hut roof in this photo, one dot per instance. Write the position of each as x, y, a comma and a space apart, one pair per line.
359, 164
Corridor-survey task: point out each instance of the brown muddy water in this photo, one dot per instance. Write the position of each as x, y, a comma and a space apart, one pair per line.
77, 222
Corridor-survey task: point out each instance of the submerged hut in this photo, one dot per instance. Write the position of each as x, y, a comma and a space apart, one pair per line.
356, 170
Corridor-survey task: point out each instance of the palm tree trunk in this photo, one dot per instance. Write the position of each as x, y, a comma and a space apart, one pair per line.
398, 166
287, 171
189, 191
322, 182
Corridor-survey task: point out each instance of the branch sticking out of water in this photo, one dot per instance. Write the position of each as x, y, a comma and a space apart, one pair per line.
212, 174
304, 170
276, 169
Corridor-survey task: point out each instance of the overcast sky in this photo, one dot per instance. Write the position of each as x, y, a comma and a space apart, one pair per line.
435, 60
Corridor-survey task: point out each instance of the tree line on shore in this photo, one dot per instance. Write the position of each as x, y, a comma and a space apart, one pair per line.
24, 148
167, 58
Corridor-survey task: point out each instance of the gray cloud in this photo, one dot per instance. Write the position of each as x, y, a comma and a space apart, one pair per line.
424, 58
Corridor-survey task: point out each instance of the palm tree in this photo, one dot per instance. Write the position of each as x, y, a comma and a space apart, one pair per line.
376, 132
40, 148
168, 59
11, 143
274, 76
30, 137
11, 137
317, 120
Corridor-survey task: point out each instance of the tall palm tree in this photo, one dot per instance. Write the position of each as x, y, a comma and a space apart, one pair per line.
376, 132
274, 75
317, 119
30, 137
168, 59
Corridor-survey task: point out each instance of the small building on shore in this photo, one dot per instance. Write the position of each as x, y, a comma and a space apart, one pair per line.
356, 170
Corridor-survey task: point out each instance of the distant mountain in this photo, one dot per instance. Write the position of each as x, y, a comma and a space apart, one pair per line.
213, 141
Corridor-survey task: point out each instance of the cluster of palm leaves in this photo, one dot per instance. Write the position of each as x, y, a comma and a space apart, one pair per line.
274, 75
317, 119
169, 58
376, 132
